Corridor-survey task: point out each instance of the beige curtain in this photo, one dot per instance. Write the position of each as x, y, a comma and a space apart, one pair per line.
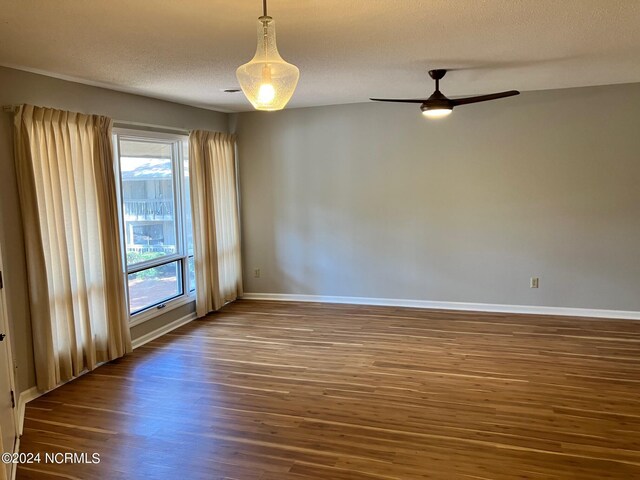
216, 226
66, 180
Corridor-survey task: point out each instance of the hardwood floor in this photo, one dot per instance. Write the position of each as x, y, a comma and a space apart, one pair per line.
286, 391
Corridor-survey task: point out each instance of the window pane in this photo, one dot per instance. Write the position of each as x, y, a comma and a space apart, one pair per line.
154, 286
148, 199
188, 225
192, 274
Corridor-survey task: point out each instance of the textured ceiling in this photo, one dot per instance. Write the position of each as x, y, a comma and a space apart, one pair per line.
347, 50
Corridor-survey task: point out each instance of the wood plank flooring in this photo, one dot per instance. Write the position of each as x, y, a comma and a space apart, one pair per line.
287, 391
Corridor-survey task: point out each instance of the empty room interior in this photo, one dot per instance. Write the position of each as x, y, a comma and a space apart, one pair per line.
398, 240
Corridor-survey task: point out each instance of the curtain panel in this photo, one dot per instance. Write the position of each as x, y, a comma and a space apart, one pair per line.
216, 225
66, 181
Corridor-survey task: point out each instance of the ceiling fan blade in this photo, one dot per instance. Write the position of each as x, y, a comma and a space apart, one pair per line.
483, 98
400, 100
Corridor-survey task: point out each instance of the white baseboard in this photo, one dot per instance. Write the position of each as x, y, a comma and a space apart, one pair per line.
428, 304
148, 337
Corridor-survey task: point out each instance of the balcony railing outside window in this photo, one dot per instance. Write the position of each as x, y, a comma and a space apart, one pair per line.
148, 209
160, 249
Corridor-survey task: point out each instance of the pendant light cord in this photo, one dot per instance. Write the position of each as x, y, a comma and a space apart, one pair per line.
264, 26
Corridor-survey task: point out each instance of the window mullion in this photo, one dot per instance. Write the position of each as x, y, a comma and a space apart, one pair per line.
138, 267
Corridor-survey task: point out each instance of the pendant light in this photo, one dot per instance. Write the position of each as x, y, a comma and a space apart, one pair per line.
267, 80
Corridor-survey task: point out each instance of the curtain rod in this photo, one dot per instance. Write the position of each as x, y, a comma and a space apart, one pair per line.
127, 124
118, 123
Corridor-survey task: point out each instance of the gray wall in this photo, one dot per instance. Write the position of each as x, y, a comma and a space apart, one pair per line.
373, 200
18, 87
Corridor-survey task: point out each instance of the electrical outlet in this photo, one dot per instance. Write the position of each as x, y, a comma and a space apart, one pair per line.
534, 282
256, 273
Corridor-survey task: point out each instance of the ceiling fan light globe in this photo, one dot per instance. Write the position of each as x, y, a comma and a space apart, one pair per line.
437, 112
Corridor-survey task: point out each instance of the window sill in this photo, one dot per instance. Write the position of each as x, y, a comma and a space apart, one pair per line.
154, 312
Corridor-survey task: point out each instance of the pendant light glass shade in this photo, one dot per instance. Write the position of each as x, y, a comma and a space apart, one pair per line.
267, 80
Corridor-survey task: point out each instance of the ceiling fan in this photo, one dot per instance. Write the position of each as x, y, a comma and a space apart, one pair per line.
438, 106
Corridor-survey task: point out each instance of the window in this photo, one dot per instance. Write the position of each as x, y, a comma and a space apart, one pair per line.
156, 218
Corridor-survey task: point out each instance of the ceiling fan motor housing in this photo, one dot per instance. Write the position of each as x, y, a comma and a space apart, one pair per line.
437, 101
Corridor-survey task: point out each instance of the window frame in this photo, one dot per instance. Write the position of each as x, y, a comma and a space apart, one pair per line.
182, 255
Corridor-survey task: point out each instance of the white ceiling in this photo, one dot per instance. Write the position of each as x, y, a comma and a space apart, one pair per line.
347, 50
